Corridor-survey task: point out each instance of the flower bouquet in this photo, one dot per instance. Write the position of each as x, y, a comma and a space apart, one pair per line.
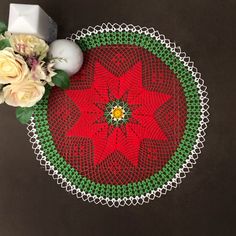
27, 72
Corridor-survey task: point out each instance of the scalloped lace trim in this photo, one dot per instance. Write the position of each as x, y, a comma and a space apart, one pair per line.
189, 163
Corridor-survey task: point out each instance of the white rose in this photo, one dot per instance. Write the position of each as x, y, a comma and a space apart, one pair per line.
24, 94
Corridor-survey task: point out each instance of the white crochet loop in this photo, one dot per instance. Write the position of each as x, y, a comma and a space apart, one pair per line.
190, 161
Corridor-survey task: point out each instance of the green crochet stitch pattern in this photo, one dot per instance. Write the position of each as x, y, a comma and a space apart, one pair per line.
181, 154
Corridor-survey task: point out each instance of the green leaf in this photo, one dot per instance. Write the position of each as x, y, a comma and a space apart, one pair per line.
23, 114
47, 91
61, 79
4, 43
3, 27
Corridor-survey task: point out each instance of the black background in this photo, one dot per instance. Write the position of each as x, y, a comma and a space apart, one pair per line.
31, 203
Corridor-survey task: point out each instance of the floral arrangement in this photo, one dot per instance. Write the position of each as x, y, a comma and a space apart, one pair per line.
26, 72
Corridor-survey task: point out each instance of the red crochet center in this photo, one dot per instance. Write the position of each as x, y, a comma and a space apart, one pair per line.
141, 145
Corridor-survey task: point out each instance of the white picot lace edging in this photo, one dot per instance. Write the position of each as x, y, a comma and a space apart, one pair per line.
191, 160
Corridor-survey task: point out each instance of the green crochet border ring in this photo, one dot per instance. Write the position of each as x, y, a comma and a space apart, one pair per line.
181, 154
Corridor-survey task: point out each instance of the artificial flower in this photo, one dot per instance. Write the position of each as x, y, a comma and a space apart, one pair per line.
1, 96
50, 72
29, 46
38, 72
6, 35
13, 67
44, 72
24, 94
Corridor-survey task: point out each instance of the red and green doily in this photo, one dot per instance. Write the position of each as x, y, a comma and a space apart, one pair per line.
132, 122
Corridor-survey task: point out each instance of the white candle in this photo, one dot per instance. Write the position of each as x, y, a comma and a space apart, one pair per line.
31, 19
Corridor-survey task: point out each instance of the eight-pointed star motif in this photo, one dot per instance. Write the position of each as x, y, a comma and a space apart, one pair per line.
126, 138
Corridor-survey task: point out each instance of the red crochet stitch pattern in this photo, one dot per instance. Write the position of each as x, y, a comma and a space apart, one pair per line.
122, 118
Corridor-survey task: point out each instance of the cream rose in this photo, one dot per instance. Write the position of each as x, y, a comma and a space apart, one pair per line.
29, 45
1, 94
24, 94
13, 68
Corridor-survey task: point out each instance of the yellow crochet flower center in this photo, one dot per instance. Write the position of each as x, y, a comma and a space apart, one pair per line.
117, 113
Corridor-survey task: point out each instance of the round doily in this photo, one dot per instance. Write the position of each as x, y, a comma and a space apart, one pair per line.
132, 122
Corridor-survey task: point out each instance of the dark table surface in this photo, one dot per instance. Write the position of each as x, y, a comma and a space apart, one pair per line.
31, 203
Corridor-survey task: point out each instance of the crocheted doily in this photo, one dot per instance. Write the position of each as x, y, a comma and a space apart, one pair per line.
132, 122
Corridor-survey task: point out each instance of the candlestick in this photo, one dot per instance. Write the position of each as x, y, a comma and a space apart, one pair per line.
31, 19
